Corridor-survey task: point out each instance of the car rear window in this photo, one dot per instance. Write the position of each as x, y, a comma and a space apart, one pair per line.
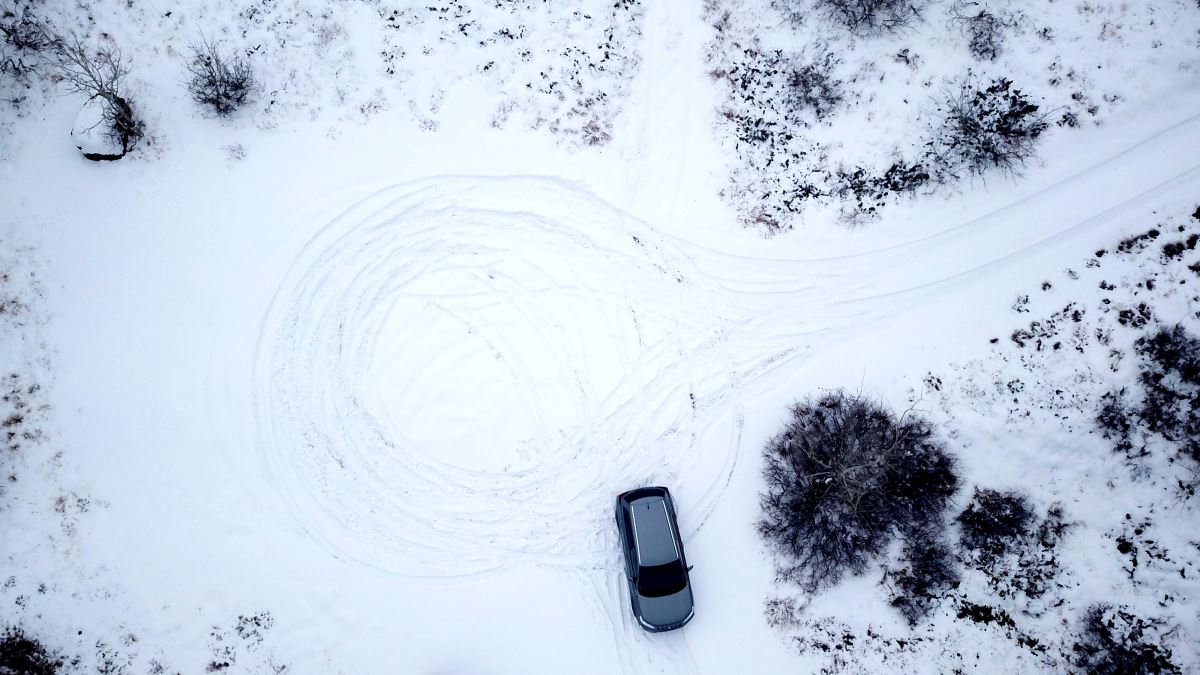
656, 581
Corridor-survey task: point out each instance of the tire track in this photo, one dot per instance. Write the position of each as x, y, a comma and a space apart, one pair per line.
550, 305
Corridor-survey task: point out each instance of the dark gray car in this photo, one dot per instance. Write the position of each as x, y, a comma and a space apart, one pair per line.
655, 566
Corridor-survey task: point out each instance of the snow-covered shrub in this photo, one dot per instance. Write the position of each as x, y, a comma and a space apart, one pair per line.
1167, 405
100, 75
563, 67
984, 128
993, 523
862, 17
842, 479
865, 193
983, 29
1170, 376
782, 612
812, 87
1116, 642
23, 38
1115, 419
23, 655
999, 535
219, 82
927, 574
1171, 351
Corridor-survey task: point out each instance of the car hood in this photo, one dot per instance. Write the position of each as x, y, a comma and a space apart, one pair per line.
667, 610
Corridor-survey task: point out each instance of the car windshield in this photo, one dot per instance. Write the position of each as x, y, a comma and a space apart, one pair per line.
656, 581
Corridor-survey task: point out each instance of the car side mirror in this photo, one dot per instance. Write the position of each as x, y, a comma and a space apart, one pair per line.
690, 567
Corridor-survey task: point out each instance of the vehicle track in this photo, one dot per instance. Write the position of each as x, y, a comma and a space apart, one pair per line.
576, 279
620, 348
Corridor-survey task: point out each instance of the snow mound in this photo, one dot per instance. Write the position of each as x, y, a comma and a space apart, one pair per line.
92, 134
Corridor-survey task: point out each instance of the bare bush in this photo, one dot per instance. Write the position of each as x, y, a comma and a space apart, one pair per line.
24, 39
812, 87
218, 81
842, 479
1165, 406
1001, 536
983, 29
866, 192
873, 17
993, 522
1115, 419
928, 574
985, 128
1116, 642
1170, 378
1171, 351
99, 73
21, 654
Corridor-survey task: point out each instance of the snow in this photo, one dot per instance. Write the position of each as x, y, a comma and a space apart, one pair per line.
347, 383
89, 133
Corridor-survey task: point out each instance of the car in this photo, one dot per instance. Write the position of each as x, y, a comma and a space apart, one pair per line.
660, 589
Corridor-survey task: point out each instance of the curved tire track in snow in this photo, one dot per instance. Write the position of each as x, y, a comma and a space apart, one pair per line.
436, 399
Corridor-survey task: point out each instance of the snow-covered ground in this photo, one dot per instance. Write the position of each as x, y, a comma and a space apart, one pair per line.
346, 382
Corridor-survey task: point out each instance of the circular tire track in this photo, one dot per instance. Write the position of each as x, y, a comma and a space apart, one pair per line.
457, 374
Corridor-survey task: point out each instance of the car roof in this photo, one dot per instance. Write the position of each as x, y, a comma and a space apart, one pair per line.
638, 493
652, 532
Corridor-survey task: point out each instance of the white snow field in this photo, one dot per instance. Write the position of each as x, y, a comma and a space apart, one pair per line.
347, 382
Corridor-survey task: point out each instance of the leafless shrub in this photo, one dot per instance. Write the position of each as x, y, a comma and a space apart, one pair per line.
865, 192
24, 38
1166, 405
219, 82
862, 17
985, 128
813, 87
1115, 641
983, 29
23, 654
783, 612
994, 522
926, 575
842, 479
